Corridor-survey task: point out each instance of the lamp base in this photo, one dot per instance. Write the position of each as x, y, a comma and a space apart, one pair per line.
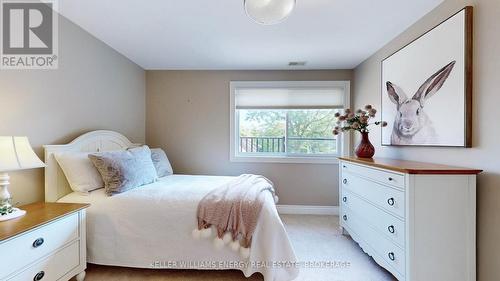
15, 214
7, 212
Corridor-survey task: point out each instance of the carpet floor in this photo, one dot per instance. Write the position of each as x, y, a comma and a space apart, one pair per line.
317, 240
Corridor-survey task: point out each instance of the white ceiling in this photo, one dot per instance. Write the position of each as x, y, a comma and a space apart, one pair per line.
217, 34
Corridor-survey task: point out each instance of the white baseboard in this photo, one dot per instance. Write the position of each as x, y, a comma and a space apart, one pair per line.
308, 210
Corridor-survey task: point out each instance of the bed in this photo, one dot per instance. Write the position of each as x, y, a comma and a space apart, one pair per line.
150, 226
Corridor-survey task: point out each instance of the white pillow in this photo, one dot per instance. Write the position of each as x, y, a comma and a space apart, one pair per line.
81, 174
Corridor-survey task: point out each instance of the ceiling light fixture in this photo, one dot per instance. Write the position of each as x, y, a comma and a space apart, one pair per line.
269, 12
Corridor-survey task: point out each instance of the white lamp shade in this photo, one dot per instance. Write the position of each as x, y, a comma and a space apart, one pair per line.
16, 154
269, 11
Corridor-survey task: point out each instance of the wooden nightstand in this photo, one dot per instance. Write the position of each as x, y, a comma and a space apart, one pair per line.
48, 243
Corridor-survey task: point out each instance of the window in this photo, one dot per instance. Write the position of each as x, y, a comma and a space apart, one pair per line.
286, 121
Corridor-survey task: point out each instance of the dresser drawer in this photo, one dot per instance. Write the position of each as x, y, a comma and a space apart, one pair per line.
53, 267
385, 252
387, 224
382, 176
387, 198
55, 235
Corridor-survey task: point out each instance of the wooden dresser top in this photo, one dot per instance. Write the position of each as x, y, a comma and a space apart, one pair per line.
411, 167
37, 214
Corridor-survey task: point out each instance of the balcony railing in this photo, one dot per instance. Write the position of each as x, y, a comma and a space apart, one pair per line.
270, 144
262, 144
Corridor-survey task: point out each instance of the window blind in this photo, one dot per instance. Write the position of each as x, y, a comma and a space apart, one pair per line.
289, 97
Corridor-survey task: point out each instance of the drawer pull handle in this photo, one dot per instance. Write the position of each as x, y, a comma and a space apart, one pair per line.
391, 228
391, 256
390, 201
344, 217
390, 179
345, 181
344, 199
38, 242
39, 276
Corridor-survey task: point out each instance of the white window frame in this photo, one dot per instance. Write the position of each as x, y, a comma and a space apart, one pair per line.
235, 156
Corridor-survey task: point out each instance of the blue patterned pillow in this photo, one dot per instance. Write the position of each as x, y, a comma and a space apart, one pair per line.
125, 170
160, 160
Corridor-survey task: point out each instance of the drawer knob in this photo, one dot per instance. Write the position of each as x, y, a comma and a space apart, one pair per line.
391, 228
390, 201
344, 199
344, 166
39, 276
344, 217
391, 256
390, 179
345, 181
38, 242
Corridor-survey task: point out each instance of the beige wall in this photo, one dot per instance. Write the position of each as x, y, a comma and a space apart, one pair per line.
188, 115
94, 88
486, 137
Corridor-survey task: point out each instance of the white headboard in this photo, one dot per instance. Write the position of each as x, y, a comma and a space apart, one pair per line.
56, 185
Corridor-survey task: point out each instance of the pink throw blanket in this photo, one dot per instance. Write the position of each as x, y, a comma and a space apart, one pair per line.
233, 209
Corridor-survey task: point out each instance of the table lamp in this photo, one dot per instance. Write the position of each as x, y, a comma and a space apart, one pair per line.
15, 154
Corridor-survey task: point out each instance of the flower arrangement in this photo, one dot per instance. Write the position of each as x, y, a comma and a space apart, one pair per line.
359, 121
356, 121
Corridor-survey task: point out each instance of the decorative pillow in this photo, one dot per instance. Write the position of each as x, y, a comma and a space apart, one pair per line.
160, 160
125, 170
81, 174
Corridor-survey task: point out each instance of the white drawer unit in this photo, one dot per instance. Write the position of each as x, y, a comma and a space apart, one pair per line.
376, 175
38, 243
48, 243
53, 267
417, 220
390, 226
384, 251
388, 198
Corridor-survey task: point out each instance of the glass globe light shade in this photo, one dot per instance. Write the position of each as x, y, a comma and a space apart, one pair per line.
269, 11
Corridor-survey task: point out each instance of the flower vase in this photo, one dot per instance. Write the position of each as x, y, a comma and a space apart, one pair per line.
365, 148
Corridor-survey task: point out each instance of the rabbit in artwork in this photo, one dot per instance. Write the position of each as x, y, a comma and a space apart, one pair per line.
411, 124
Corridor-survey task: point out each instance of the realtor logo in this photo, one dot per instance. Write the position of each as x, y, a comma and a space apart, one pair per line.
29, 35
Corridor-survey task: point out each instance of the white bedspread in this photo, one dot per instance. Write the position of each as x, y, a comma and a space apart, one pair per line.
150, 227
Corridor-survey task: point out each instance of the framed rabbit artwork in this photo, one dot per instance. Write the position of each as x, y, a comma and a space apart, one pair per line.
427, 87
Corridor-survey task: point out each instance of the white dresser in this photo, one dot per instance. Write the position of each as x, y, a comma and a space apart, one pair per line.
417, 220
48, 243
